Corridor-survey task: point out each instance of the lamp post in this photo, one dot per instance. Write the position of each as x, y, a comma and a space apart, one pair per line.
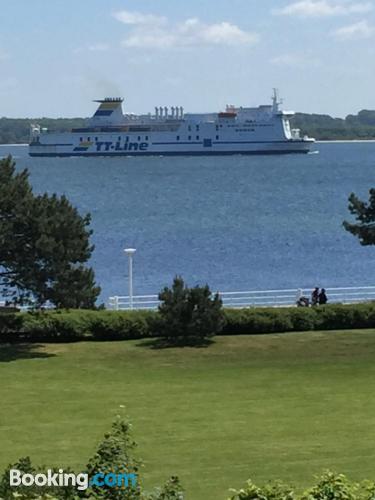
130, 252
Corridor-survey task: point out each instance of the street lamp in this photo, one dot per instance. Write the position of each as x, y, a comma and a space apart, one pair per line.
130, 252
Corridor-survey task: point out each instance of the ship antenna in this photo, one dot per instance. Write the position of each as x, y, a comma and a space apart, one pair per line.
275, 100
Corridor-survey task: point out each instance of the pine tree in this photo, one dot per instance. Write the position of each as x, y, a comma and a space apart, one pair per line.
364, 213
44, 244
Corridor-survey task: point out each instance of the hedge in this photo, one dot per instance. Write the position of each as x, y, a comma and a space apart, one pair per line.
78, 325
294, 319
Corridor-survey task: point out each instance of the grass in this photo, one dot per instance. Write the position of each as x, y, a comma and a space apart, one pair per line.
269, 406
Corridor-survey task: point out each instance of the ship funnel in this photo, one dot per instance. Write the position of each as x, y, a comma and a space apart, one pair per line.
165, 111
160, 112
181, 112
156, 112
173, 109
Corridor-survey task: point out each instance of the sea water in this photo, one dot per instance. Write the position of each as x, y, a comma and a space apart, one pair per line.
234, 222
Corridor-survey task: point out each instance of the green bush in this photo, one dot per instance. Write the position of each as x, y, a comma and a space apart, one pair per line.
271, 491
76, 325
245, 321
330, 486
109, 325
114, 454
59, 326
189, 315
21, 492
179, 320
275, 320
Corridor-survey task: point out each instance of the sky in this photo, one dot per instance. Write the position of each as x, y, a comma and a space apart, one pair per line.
56, 56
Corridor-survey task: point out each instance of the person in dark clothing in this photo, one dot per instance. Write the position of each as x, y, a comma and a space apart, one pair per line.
322, 297
315, 297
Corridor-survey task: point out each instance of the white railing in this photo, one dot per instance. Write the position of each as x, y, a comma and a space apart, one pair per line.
257, 298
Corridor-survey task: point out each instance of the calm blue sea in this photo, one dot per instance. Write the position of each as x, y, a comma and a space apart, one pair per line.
237, 223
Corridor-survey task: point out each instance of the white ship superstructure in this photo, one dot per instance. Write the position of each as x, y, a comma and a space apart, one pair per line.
171, 131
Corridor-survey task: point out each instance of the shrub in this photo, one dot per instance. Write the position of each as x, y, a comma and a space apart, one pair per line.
56, 326
122, 325
10, 325
330, 486
186, 316
250, 321
8, 492
76, 325
115, 454
335, 487
275, 320
189, 314
271, 491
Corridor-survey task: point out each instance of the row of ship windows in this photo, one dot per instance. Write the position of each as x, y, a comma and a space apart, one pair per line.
197, 127
146, 138
81, 139
178, 137
196, 137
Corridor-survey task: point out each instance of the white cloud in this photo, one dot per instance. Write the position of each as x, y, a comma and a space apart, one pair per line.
355, 31
189, 33
137, 18
323, 8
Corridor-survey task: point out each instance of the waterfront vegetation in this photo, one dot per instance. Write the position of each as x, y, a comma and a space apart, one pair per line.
284, 406
103, 325
324, 127
44, 246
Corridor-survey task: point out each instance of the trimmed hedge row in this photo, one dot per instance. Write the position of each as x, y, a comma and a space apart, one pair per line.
76, 325
293, 319
71, 326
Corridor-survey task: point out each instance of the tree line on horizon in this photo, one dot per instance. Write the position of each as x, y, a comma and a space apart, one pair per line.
322, 127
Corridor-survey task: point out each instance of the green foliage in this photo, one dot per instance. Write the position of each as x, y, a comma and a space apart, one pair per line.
329, 317
172, 490
364, 213
271, 491
178, 325
333, 487
189, 314
115, 454
17, 130
124, 325
324, 127
330, 486
21, 492
74, 325
44, 244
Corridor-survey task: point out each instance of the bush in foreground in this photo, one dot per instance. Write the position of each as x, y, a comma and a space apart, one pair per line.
330, 486
115, 454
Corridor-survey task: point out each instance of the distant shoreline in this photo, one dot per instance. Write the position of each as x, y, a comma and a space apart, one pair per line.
344, 140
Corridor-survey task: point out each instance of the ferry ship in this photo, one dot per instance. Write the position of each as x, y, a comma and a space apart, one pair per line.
171, 131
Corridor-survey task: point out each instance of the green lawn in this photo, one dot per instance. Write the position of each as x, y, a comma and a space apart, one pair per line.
285, 406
